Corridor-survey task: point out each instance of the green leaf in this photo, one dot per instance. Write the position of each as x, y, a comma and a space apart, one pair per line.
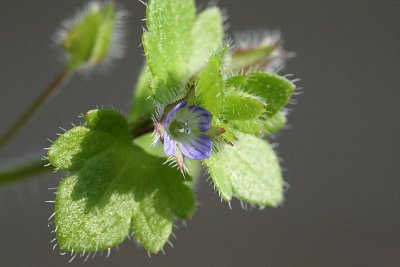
207, 37
249, 170
168, 45
209, 88
177, 44
274, 89
114, 186
243, 106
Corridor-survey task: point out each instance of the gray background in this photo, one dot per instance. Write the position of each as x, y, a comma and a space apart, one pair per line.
341, 155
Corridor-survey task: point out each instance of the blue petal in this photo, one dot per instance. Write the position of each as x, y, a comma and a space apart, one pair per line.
169, 145
196, 146
173, 112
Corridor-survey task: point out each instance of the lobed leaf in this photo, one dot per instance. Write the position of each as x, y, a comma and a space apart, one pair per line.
114, 186
249, 170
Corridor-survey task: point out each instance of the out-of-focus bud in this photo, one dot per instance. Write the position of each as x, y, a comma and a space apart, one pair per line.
257, 52
93, 36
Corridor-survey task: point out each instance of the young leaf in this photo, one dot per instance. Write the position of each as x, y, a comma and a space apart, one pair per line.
177, 44
243, 106
114, 186
274, 89
168, 44
249, 170
207, 36
209, 89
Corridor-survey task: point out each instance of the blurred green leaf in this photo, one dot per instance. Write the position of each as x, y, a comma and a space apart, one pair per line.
142, 105
89, 40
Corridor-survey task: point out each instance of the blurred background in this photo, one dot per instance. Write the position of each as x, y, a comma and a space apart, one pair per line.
340, 156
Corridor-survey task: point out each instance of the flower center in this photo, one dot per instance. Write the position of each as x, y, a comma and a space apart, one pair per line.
180, 127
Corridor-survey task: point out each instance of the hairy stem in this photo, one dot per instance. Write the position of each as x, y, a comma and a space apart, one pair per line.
29, 112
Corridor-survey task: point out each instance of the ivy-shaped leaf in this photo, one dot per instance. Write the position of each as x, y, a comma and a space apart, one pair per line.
114, 188
249, 171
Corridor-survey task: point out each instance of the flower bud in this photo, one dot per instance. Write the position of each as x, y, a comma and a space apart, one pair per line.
93, 36
257, 52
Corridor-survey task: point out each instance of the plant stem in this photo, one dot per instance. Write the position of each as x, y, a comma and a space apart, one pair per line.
142, 126
21, 171
42, 99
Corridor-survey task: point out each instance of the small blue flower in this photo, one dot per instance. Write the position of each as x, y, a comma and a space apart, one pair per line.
185, 128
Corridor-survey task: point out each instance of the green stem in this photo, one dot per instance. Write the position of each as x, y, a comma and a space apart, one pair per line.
42, 99
21, 171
